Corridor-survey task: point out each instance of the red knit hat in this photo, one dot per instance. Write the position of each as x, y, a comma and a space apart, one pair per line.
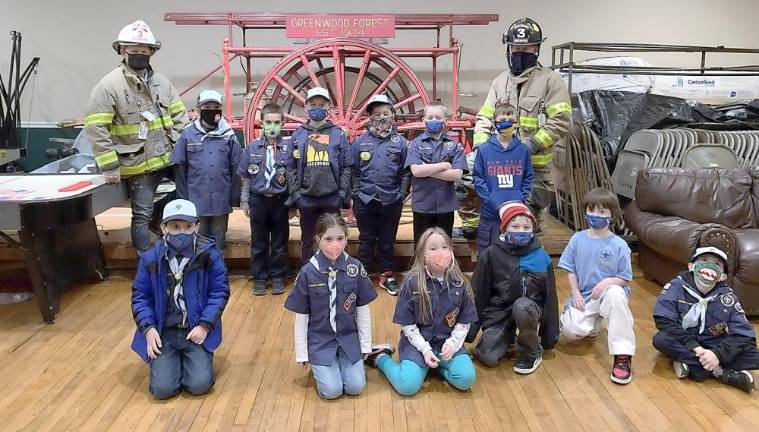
511, 209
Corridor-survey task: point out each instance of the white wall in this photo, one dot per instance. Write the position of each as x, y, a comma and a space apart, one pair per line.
73, 38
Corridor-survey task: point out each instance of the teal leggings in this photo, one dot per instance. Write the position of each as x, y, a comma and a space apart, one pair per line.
407, 377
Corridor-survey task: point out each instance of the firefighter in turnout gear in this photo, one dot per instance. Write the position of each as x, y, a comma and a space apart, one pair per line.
133, 118
543, 107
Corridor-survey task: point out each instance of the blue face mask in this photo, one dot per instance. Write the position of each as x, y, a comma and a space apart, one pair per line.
181, 243
502, 125
518, 238
434, 126
597, 222
317, 114
521, 61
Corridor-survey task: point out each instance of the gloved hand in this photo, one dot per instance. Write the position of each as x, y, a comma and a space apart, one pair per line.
112, 176
533, 145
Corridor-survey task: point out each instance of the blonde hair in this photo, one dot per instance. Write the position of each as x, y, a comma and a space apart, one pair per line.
419, 269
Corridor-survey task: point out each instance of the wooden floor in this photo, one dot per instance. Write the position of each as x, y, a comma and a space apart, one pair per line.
79, 374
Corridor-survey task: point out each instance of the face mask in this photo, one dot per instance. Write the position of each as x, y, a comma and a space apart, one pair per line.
332, 250
434, 126
519, 238
272, 130
317, 114
138, 61
707, 273
504, 127
181, 243
597, 222
381, 127
439, 260
521, 61
210, 117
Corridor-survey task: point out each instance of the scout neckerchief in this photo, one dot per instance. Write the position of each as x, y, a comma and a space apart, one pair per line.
177, 268
270, 155
697, 311
331, 278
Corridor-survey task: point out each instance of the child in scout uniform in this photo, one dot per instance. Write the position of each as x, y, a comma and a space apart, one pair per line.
380, 184
207, 155
264, 190
435, 309
515, 292
333, 326
702, 326
178, 295
502, 173
599, 272
319, 167
436, 162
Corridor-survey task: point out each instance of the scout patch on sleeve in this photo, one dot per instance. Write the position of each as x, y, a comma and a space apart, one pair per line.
739, 308
395, 138
284, 148
392, 156
363, 271
448, 144
450, 318
718, 329
349, 301
352, 270
296, 153
664, 289
253, 169
727, 300
366, 156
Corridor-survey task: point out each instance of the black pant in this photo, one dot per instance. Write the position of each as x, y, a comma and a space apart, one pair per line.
311, 208
269, 234
525, 316
423, 221
672, 348
377, 224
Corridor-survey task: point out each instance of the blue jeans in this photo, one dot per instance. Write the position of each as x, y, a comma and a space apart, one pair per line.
141, 194
181, 365
216, 228
340, 377
407, 377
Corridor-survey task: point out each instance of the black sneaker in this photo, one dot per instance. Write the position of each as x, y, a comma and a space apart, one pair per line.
621, 372
388, 283
259, 288
739, 379
527, 363
277, 286
377, 350
682, 370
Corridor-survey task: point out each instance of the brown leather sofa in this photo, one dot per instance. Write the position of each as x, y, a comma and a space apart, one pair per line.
677, 209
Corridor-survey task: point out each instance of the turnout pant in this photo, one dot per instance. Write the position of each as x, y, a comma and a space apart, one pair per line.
142, 190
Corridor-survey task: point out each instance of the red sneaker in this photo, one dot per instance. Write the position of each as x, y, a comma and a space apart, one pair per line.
388, 283
621, 372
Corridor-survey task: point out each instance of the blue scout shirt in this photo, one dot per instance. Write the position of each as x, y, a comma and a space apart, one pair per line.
311, 295
593, 260
380, 165
449, 305
303, 156
501, 175
207, 162
724, 314
253, 164
431, 195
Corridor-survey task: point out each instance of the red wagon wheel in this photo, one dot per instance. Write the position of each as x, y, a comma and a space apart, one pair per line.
352, 71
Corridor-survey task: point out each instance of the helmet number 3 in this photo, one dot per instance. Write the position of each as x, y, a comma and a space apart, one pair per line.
521, 33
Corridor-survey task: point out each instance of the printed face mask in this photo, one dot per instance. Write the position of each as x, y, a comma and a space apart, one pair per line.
181, 243
317, 114
597, 222
707, 273
381, 127
519, 238
272, 130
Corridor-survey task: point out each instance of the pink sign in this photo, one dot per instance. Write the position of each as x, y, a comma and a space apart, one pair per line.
320, 26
